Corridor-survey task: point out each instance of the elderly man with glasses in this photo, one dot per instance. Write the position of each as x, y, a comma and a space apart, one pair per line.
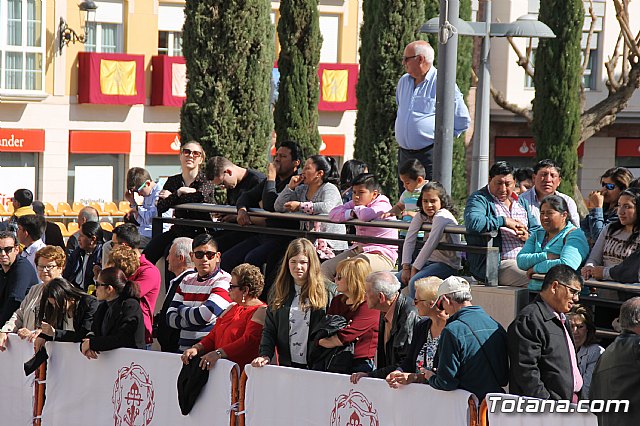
416, 99
541, 350
201, 297
472, 351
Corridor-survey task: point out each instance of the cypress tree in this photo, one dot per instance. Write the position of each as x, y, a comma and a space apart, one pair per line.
557, 79
388, 26
228, 48
296, 110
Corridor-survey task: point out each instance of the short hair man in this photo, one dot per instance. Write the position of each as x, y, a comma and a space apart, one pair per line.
398, 316
547, 176
147, 275
616, 374
472, 350
200, 298
52, 233
416, 99
30, 231
86, 214
21, 200
497, 208
222, 172
263, 248
541, 350
139, 181
16, 276
181, 265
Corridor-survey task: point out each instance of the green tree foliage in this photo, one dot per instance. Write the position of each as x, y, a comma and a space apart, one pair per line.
296, 110
557, 78
388, 26
228, 47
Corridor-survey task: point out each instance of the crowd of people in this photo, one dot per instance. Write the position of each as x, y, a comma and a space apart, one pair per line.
361, 309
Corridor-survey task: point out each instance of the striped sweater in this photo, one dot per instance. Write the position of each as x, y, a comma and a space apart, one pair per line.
197, 304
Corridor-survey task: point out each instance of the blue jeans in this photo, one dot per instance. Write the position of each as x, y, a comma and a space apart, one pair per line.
430, 269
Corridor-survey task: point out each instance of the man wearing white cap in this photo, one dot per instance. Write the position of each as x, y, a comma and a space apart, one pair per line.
472, 351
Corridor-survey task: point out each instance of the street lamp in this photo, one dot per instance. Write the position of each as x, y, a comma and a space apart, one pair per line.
525, 26
67, 35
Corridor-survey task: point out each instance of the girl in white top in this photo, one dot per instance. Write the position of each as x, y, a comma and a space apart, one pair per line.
435, 207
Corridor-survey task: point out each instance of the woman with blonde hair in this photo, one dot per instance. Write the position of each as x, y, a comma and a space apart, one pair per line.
298, 301
363, 321
426, 335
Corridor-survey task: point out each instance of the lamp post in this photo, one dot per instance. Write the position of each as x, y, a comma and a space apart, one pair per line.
525, 26
67, 35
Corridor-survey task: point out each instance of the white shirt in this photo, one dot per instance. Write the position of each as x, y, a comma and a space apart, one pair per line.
30, 252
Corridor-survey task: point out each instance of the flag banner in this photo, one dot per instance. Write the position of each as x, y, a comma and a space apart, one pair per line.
128, 387
508, 410
337, 87
168, 80
289, 396
111, 78
17, 391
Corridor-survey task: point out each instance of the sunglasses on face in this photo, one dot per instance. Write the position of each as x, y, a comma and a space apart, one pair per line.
201, 254
187, 152
573, 291
6, 250
232, 286
101, 285
609, 186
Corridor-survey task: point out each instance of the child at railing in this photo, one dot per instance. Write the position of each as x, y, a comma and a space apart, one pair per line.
367, 204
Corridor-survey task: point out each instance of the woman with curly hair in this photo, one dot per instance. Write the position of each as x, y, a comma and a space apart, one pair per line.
298, 302
237, 332
434, 207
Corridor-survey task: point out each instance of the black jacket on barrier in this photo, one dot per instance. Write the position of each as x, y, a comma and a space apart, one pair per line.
540, 363
332, 360
392, 355
275, 334
616, 378
124, 327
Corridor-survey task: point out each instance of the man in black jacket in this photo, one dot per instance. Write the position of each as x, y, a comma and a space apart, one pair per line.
398, 316
616, 374
540, 342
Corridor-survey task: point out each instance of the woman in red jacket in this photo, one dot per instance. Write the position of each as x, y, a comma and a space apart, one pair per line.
363, 321
237, 332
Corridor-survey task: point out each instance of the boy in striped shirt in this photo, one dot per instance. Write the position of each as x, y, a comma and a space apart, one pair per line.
201, 297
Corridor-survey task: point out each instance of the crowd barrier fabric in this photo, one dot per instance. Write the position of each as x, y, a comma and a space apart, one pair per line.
512, 410
289, 396
128, 387
16, 391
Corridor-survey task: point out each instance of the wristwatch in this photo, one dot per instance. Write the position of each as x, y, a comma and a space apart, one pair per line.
219, 353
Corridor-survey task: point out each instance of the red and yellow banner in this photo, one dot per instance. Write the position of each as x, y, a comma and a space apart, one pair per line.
338, 87
111, 78
168, 80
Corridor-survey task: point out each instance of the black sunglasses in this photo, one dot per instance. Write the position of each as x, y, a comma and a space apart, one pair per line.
7, 250
187, 152
101, 285
200, 254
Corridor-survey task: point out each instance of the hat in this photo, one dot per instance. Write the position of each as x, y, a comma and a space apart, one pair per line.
451, 285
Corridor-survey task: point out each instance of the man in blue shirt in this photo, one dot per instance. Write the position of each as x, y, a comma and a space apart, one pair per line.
416, 100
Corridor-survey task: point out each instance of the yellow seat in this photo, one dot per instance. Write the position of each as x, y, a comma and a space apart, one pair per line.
49, 210
72, 227
63, 229
124, 206
115, 225
98, 208
64, 209
106, 226
111, 208
77, 207
3, 211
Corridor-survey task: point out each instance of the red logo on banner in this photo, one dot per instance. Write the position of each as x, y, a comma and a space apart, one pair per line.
133, 397
353, 409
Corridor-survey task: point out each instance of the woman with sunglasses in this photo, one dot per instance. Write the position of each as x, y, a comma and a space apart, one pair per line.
558, 242
190, 186
426, 335
588, 350
118, 320
65, 314
50, 261
79, 270
298, 302
237, 332
614, 255
602, 204
363, 321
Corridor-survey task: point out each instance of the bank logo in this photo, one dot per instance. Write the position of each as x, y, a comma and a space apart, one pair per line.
133, 397
353, 409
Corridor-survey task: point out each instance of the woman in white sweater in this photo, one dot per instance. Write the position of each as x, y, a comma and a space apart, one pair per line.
435, 207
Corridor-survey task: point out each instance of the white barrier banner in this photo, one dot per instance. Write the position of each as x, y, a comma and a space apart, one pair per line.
16, 390
289, 396
127, 387
509, 410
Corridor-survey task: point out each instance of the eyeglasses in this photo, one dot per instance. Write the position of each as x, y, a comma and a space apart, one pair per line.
7, 250
46, 268
142, 186
405, 59
573, 291
97, 284
187, 152
609, 186
201, 254
416, 300
232, 286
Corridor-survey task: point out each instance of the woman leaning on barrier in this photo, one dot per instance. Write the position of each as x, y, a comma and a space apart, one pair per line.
559, 242
237, 331
298, 302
